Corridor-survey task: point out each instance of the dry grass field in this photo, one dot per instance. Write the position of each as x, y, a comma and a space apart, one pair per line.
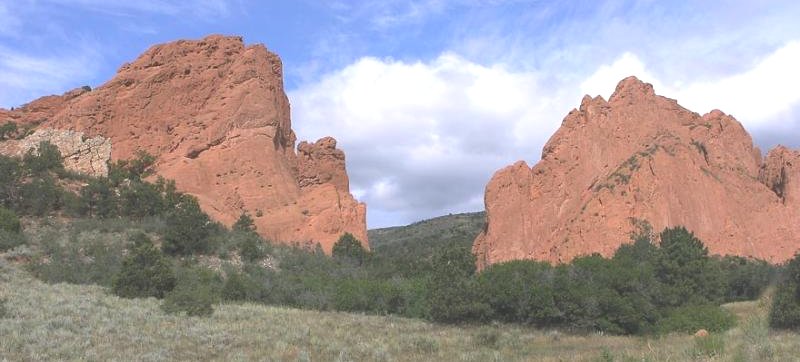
71, 322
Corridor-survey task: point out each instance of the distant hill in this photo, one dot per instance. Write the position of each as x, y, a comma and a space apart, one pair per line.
407, 250
453, 227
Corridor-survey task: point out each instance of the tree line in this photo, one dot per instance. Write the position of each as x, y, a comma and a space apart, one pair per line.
653, 284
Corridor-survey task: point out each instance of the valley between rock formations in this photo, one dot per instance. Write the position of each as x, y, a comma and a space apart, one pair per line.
215, 115
639, 157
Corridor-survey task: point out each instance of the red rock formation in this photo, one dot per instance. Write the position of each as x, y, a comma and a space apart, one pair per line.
215, 114
642, 157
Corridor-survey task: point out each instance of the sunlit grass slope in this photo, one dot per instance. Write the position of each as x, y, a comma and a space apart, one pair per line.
68, 322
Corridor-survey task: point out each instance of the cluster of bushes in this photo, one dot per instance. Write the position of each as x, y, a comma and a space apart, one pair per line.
10, 230
643, 288
38, 185
785, 312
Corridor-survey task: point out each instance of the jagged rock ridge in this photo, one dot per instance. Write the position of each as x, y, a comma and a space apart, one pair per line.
215, 114
642, 157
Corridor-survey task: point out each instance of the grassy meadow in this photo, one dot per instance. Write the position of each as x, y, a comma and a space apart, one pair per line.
41, 321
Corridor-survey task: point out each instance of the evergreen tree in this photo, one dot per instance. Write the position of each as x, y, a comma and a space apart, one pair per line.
146, 272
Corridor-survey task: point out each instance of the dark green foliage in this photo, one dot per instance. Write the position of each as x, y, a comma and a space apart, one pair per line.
251, 246
520, 291
98, 199
11, 173
686, 271
690, 319
592, 294
197, 290
40, 196
9, 221
10, 240
241, 286
785, 312
349, 249
45, 158
745, 278
406, 251
10, 230
141, 199
188, 229
244, 223
7, 130
452, 293
133, 170
79, 262
145, 272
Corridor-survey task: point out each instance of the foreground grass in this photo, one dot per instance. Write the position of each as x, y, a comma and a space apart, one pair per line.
68, 322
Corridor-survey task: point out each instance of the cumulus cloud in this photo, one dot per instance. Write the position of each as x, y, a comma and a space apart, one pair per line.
763, 97
423, 138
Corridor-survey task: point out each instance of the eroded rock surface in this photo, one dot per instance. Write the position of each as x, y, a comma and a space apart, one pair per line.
215, 114
81, 154
642, 157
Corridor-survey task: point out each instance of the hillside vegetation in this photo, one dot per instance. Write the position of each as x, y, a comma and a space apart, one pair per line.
460, 228
124, 237
67, 322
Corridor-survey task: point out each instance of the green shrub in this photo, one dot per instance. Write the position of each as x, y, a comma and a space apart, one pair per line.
188, 229
40, 196
519, 291
98, 199
79, 262
452, 292
9, 221
140, 199
7, 130
785, 312
241, 287
10, 180
10, 240
251, 246
44, 158
134, 169
685, 270
745, 278
197, 290
244, 224
690, 319
349, 249
145, 272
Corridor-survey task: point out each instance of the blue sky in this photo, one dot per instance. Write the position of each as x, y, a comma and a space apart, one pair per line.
428, 98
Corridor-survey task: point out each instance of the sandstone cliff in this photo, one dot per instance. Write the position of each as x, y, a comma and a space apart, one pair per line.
215, 114
642, 157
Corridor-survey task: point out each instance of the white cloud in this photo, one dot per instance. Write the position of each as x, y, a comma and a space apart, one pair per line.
604, 80
24, 77
423, 138
755, 96
758, 97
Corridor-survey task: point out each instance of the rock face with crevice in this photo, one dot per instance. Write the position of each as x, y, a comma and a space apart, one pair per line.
641, 157
214, 113
80, 153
